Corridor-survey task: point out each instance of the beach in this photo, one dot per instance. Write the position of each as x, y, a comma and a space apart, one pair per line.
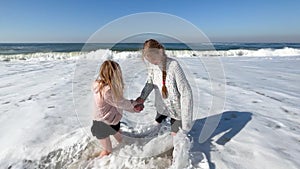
46, 108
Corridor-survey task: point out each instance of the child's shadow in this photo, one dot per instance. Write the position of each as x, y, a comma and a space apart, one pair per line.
231, 123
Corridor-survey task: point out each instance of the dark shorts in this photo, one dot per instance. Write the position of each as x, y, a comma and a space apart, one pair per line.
175, 124
102, 130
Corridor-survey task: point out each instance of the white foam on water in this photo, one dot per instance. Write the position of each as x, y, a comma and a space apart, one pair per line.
40, 128
109, 54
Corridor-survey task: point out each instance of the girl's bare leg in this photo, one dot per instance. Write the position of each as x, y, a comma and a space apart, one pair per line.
118, 136
173, 133
106, 144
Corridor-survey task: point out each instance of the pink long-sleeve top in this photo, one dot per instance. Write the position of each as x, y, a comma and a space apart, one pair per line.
107, 108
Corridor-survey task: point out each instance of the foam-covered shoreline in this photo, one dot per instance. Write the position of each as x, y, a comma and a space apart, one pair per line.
46, 108
107, 53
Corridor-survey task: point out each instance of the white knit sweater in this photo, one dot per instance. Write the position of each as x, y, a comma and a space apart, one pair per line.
179, 104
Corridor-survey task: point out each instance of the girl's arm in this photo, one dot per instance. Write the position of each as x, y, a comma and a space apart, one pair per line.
122, 103
186, 98
148, 86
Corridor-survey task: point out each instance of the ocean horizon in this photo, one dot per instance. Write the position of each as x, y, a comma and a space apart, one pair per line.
26, 48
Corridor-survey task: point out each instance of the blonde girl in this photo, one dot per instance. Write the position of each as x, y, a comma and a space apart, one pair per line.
109, 104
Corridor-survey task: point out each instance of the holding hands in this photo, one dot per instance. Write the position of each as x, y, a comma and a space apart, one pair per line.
138, 105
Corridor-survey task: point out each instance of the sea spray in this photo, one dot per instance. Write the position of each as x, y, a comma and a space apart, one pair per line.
182, 145
152, 149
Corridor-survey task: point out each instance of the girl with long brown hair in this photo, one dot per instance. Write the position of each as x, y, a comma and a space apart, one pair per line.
173, 94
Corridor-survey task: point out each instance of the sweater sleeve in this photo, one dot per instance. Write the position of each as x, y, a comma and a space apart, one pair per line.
122, 103
186, 97
148, 86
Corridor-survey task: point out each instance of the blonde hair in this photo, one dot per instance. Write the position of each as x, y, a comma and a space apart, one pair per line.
110, 74
154, 44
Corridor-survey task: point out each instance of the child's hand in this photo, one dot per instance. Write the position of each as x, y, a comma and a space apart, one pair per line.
138, 108
140, 100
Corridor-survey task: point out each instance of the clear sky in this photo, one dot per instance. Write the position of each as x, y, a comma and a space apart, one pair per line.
221, 21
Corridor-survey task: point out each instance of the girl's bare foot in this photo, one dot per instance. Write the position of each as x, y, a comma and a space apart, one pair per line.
104, 153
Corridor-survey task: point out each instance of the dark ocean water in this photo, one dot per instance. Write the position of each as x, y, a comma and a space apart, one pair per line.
24, 48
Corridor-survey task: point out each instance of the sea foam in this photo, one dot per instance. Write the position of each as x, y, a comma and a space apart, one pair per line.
110, 54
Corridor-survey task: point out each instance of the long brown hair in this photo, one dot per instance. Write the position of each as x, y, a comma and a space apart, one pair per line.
154, 44
110, 74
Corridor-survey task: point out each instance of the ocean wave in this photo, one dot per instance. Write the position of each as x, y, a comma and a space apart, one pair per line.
109, 54
41, 56
265, 52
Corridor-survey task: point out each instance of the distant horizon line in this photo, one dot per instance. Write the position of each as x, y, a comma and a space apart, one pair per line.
131, 42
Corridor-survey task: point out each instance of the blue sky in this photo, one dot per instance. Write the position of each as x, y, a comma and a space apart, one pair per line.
77, 20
